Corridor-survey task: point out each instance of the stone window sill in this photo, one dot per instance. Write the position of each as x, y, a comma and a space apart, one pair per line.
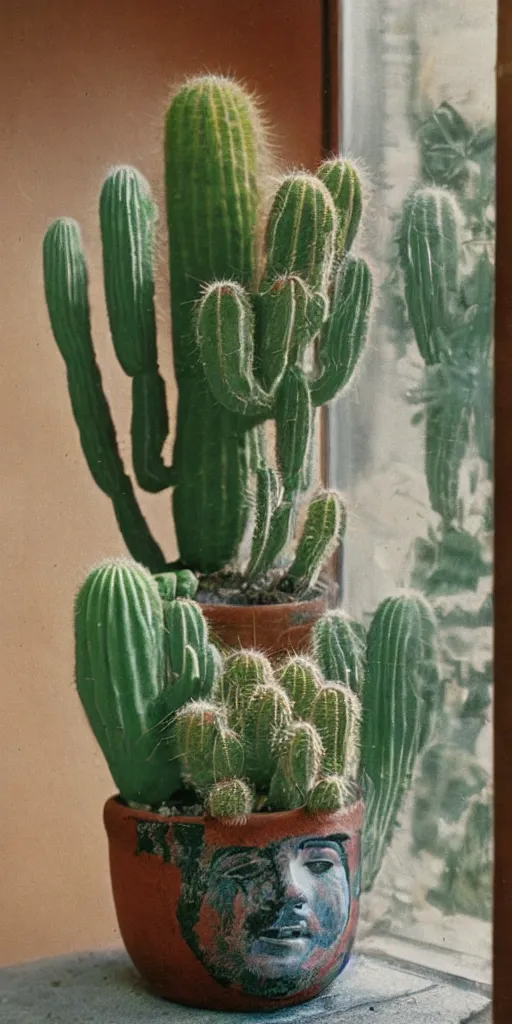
102, 988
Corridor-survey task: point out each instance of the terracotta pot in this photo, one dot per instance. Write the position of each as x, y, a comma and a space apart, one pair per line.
276, 629
236, 917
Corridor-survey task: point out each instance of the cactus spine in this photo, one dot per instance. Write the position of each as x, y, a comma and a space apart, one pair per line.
268, 322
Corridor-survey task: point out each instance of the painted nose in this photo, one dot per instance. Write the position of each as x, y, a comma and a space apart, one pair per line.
294, 895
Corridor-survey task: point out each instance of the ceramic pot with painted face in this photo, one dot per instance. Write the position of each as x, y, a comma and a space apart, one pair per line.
236, 917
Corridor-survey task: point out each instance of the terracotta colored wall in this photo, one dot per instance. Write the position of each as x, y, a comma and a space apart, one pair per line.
83, 86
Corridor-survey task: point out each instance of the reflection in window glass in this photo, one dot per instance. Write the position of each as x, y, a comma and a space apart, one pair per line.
411, 444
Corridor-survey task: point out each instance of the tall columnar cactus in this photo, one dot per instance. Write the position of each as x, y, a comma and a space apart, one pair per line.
339, 646
400, 698
268, 323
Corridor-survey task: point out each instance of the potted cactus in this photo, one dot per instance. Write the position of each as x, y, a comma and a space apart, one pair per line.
269, 317
235, 837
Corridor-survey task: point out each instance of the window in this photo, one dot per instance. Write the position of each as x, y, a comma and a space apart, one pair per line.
418, 107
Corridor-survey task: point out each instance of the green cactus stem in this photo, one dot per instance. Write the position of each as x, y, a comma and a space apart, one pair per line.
214, 146
343, 182
243, 673
228, 755
339, 648
196, 729
128, 217
298, 767
267, 713
300, 231
430, 259
269, 495
301, 679
336, 715
268, 322
344, 333
400, 698
330, 794
119, 631
66, 288
323, 530
447, 438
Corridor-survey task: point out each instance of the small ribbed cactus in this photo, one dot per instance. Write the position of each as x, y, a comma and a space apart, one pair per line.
231, 800
339, 647
195, 731
269, 318
336, 715
329, 794
266, 716
300, 760
301, 678
243, 672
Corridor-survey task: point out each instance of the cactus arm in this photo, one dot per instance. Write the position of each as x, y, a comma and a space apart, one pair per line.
293, 429
300, 232
323, 531
429, 248
399, 697
186, 629
65, 276
279, 532
336, 715
342, 180
243, 673
225, 335
127, 218
344, 334
289, 315
268, 494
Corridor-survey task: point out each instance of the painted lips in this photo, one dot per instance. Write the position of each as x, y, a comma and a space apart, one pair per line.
285, 933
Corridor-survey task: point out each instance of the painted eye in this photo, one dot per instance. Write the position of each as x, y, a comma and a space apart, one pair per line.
244, 871
320, 867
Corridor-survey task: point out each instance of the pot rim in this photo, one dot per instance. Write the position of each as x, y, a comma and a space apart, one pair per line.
263, 609
115, 808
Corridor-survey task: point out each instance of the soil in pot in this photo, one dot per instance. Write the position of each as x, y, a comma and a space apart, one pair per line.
246, 917
272, 621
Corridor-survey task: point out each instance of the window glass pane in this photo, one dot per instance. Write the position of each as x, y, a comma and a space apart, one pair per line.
419, 111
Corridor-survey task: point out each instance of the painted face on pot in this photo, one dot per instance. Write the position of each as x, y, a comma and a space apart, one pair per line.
267, 918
